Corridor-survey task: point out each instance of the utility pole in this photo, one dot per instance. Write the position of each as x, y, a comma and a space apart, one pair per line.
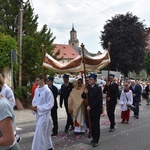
20, 20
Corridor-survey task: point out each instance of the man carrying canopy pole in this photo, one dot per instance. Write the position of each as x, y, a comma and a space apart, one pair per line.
93, 96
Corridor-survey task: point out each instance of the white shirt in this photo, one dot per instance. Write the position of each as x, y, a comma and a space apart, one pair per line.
8, 93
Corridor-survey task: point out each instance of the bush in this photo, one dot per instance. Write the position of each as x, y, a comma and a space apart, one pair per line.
23, 94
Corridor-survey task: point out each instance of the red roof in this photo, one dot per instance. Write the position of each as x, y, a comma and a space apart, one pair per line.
66, 51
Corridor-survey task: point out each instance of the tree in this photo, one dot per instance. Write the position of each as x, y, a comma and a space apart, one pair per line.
9, 10
32, 53
146, 63
32, 39
7, 43
128, 41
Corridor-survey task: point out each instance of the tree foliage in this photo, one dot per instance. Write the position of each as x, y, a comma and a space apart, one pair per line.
128, 41
146, 63
33, 55
9, 10
32, 39
7, 43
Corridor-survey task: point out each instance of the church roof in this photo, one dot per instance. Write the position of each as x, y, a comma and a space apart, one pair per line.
66, 51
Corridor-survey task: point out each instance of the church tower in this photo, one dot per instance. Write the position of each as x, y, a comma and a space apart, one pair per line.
73, 37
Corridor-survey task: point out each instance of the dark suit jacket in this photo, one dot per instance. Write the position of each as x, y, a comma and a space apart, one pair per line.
113, 92
95, 99
64, 94
55, 94
137, 91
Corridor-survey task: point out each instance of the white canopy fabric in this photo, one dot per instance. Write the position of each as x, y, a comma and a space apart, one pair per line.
76, 65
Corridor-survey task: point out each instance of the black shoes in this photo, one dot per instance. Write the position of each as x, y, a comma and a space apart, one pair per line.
111, 130
95, 144
92, 141
66, 131
54, 134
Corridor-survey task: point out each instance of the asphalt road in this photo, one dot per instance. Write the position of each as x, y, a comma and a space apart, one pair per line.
132, 136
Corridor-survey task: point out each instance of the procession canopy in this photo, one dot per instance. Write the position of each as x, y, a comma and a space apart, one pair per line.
76, 65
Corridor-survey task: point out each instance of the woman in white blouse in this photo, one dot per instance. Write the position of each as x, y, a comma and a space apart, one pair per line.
126, 99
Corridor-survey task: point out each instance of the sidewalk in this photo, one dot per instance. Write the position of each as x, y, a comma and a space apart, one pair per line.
26, 115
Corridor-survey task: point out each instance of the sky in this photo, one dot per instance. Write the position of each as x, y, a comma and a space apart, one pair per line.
88, 17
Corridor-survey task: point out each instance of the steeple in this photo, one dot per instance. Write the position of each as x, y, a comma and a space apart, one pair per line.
73, 30
73, 37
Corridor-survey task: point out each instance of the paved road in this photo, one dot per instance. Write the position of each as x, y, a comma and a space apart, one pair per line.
132, 136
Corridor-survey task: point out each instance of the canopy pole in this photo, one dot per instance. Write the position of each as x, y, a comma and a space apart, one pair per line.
86, 84
108, 90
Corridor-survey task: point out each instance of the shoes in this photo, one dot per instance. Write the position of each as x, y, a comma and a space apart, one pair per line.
66, 131
71, 128
111, 130
54, 134
137, 117
50, 149
122, 121
127, 122
95, 144
92, 141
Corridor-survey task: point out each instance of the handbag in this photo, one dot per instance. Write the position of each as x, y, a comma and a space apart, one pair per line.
132, 107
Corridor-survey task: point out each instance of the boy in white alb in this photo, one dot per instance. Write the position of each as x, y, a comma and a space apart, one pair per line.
42, 103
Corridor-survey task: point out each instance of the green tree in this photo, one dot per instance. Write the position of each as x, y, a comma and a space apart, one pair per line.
128, 41
9, 10
146, 63
32, 53
7, 43
32, 39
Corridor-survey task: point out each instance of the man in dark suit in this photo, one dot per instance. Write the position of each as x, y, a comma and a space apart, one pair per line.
54, 109
94, 94
112, 91
66, 88
136, 90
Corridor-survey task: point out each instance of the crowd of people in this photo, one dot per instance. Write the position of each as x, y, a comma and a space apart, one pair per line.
85, 104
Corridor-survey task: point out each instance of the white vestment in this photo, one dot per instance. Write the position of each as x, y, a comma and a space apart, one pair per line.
8, 93
125, 98
44, 101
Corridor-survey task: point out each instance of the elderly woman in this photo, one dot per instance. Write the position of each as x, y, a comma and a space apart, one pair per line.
126, 99
7, 138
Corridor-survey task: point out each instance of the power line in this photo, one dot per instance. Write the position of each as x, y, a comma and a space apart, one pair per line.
94, 8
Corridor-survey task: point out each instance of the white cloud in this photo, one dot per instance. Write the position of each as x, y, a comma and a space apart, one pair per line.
88, 16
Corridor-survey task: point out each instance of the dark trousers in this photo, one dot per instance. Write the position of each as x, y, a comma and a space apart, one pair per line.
55, 120
136, 111
69, 119
95, 122
111, 114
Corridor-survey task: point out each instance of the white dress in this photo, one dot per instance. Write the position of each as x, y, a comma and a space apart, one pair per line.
44, 101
